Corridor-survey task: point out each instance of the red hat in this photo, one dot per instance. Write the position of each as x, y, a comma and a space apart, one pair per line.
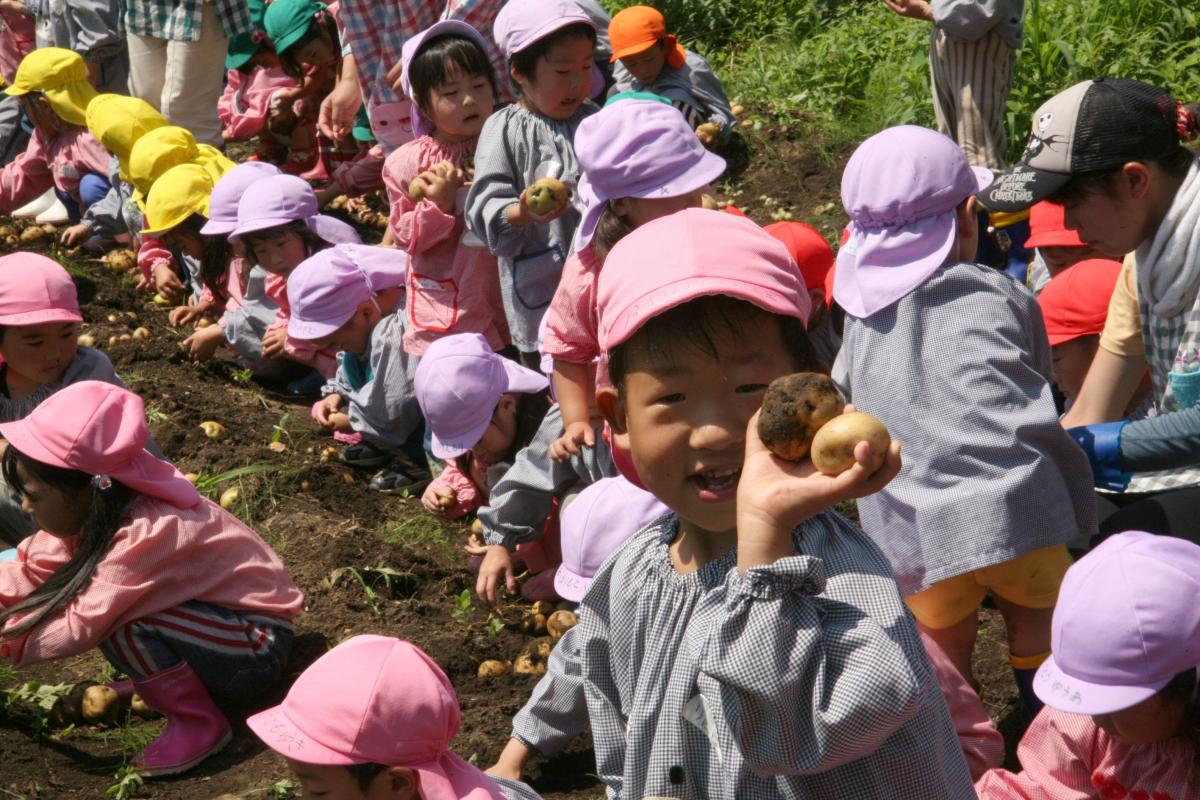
1075, 302
808, 249
1047, 228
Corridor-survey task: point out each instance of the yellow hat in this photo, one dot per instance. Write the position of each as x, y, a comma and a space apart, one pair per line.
179, 193
61, 76
118, 121
162, 148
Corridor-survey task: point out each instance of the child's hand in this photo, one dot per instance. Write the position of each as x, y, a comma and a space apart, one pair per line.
340, 421
567, 445
167, 283
440, 184
776, 495
521, 214
497, 566
438, 499
273, 343
917, 9
202, 344
185, 315
76, 234
326, 408
512, 760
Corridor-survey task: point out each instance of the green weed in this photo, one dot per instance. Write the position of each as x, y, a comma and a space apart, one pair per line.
156, 414
462, 606
242, 376
378, 583
279, 429
283, 790
129, 783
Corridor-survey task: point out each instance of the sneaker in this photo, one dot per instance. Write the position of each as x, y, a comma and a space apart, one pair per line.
36, 206
55, 214
363, 455
401, 477
306, 386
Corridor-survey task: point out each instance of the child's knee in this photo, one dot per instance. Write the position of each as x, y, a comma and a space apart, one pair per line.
1032, 580
948, 602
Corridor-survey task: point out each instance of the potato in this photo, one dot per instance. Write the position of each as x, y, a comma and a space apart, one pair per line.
12, 239
416, 190
101, 704
543, 607
493, 669
708, 134
328, 454
86, 340
540, 648
833, 446
120, 260
560, 622
49, 229
203, 323
229, 497
113, 318
139, 707
794, 407
68, 709
191, 477
709, 202
34, 234
141, 333
524, 664
212, 429
112, 340
277, 447
738, 110
7, 231
161, 301
347, 477
547, 195
534, 624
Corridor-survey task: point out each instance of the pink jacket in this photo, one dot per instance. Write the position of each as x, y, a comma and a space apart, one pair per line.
51, 163
982, 744
16, 41
1067, 757
323, 361
468, 495
246, 101
452, 287
163, 557
572, 322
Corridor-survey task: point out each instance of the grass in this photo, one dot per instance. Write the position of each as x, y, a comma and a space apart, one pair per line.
419, 530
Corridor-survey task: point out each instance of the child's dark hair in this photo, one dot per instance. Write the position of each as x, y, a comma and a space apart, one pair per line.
693, 324
365, 774
441, 59
1182, 689
610, 229
214, 259
531, 410
103, 521
324, 25
525, 61
312, 242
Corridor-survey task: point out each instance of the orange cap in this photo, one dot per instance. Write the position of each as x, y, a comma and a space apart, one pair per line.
636, 29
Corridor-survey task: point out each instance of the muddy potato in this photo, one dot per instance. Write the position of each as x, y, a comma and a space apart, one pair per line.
534, 624
560, 622
277, 447
547, 195
101, 704
139, 707
191, 477
68, 709
34, 234
12, 239
493, 669
794, 407
328, 454
161, 301
7, 231
540, 648
833, 446
49, 229
525, 664
543, 607
708, 134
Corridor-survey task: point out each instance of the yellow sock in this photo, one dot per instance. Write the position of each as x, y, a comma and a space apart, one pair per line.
1027, 662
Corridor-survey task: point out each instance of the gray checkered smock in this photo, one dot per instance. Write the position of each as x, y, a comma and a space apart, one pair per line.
959, 371
805, 678
556, 712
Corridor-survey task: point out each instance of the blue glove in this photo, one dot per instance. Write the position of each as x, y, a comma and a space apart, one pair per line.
1102, 443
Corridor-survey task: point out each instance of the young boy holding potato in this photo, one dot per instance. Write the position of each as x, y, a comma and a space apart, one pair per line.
953, 357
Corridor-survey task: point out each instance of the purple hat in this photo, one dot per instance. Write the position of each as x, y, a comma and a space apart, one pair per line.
223, 202
594, 525
459, 382
447, 27
901, 188
638, 148
281, 199
329, 286
520, 23
1126, 623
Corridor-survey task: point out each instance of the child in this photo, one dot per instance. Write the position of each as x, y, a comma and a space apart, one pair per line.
176, 210
482, 409
814, 256
279, 227
953, 358
1120, 690
640, 162
247, 311
94, 30
373, 718
113, 567
343, 299
1074, 306
751, 643
594, 525
1058, 247
39, 325
453, 285
548, 47
54, 92
649, 59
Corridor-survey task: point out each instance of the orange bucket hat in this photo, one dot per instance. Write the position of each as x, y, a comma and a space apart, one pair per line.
636, 29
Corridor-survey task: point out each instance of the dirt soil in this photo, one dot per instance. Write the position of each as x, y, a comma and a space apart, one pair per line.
366, 562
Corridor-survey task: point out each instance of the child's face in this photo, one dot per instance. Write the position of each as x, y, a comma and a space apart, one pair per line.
460, 106
647, 65
39, 354
55, 511
317, 53
500, 433
278, 251
1070, 361
1152, 720
686, 414
336, 783
186, 240
560, 82
1060, 257
41, 114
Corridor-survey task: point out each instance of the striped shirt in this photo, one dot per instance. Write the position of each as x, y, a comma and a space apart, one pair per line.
180, 21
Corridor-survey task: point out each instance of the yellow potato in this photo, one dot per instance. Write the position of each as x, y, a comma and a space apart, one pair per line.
101, 704
493, 669
560, 622
213, 430
141, 333
86, 340
833, 446
229, 497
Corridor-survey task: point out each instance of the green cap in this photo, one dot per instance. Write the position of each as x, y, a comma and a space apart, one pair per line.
362, 127
244, 46
287, 21
637, 96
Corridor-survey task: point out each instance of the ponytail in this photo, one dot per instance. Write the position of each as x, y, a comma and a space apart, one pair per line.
105, 515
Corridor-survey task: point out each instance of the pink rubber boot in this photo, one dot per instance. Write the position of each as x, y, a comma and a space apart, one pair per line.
196, 728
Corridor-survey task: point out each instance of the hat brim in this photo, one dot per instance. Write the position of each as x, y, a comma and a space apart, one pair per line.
569, 584
446, 450
40, 317
219, 227
1064, 238
552, 24
259, 224
280, 734
307, 331
159, 231
1064, 692
1021, 187
632, 50
333, 230
70, 101
522, 380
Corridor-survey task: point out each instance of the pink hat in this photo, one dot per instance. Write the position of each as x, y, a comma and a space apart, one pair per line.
35, 290
375, 699
638, 148
594, 525
447, 27
689, 254
329, 286
901, 188
459, 382
1126, 623
223, 202
100, 429
280, 199
520, 23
